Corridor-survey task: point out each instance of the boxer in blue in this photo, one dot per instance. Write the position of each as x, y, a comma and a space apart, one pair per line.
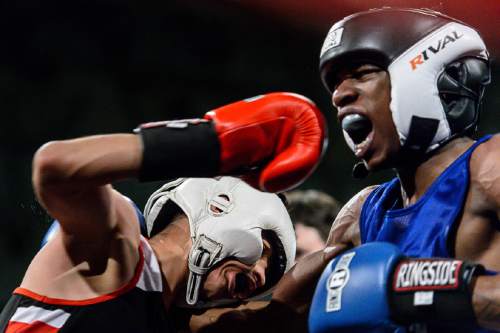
407, 85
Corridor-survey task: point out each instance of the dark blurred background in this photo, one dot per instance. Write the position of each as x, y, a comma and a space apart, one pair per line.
77, 68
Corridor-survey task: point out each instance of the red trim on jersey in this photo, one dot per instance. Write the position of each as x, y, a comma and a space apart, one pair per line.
99, 299
34, 327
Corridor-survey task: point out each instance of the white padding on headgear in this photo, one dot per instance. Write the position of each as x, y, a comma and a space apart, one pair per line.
414, 77
226, 218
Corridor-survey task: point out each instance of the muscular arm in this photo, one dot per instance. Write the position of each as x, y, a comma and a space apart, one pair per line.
486, 301
345, 228
71, 180
482, 228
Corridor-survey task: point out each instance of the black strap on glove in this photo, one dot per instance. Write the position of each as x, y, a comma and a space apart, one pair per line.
179, 148
433, 290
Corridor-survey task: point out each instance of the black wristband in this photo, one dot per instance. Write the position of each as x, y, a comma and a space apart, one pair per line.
180, 148
432, 290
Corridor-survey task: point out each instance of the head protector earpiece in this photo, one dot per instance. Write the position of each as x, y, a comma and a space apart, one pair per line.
461, 87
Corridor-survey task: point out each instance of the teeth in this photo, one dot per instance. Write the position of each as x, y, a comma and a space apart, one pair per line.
349, 141
360, 146
357, 148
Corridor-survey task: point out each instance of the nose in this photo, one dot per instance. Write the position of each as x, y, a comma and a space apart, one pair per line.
344, 94
259, 274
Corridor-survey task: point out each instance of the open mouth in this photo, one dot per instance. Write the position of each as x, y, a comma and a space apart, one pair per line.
358, 132
241, 286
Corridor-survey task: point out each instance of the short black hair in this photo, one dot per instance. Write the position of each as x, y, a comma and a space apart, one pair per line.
277, 261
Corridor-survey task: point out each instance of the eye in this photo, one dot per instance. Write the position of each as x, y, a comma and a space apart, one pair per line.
364, 73
361, 73
334, 83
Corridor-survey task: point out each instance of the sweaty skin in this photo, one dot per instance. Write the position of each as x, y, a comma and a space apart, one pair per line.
478, 235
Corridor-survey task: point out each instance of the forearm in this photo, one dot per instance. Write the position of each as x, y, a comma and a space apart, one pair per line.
486, 301
198, 321
276, 317
296, 287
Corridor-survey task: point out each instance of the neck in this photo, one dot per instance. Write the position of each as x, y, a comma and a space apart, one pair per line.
171, 247
416, 179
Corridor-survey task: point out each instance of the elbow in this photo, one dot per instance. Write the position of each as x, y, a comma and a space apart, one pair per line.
50, 167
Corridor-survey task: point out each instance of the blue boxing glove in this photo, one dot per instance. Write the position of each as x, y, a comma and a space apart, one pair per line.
50, 233
376, 288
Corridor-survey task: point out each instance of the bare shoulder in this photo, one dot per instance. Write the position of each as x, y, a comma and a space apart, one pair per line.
345, 228
71, 268
484, 170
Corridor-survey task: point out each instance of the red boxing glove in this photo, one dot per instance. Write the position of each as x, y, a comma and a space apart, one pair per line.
279, 136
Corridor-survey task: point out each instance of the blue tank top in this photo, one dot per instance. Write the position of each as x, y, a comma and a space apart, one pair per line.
422, 229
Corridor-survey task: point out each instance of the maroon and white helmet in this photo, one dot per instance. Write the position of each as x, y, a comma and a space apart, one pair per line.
438, 67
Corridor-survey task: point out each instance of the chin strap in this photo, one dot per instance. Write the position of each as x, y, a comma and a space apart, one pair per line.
202, 257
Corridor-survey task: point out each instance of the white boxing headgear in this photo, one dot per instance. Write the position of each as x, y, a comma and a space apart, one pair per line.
438, 68
226, 218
